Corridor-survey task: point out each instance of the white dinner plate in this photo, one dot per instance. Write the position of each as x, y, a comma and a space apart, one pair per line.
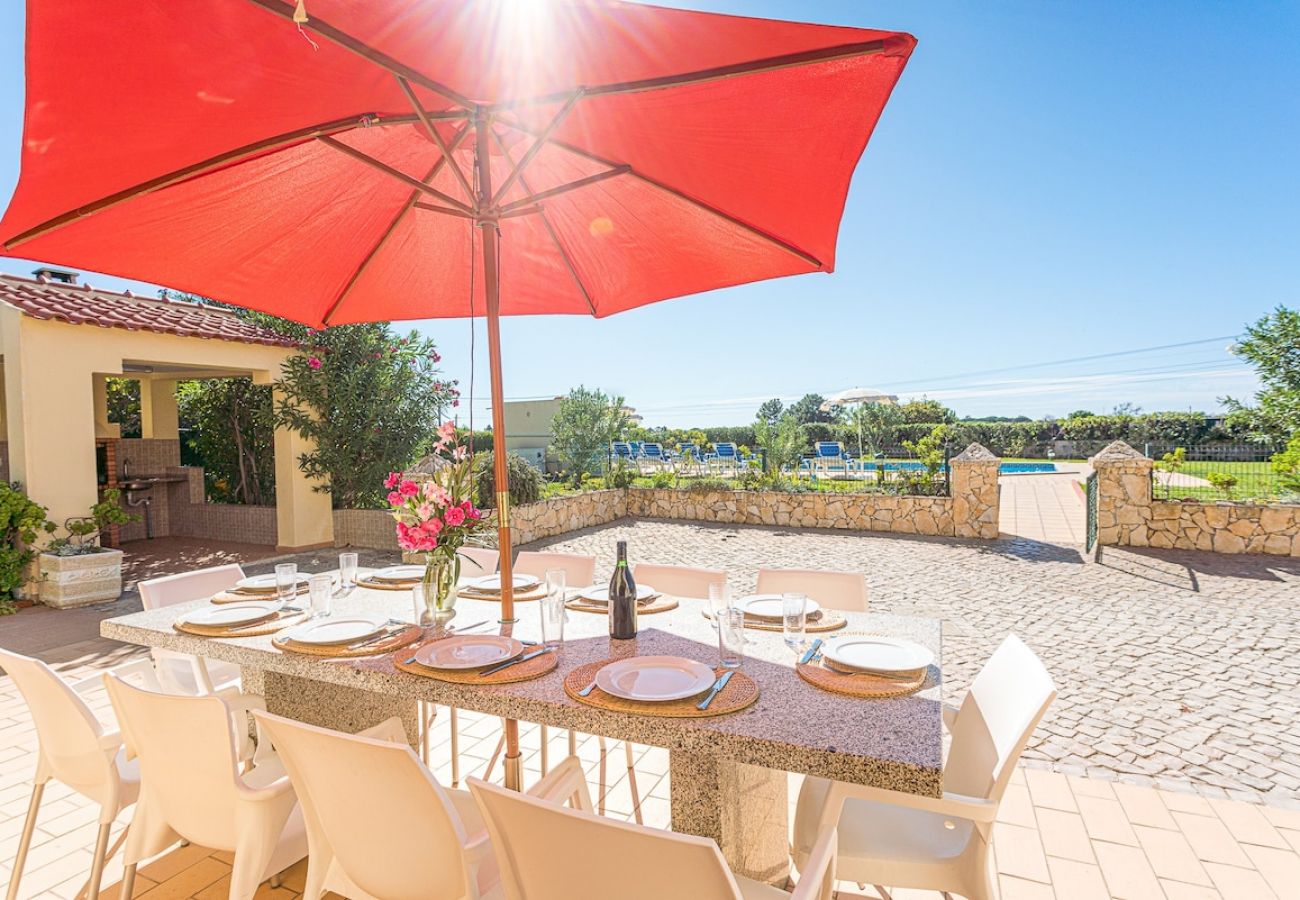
232, 613
493, 582
873, 653
264, 582
655, 679
468, 651
599, 593
337, 629
771, 606
398, 573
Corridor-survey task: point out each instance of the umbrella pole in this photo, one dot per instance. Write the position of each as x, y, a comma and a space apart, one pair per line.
514, 774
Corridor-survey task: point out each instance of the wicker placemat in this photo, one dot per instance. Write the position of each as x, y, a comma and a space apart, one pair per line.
408, 635
524, 671
536, 593
659, 604
860, 684
237, 596
386, 585
741, 692
826, 620
282, 619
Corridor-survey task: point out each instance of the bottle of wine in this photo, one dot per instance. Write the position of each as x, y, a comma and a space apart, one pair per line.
622, 599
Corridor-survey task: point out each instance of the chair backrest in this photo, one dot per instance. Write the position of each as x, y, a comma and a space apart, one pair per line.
549, 852
384, 818
830, 449
725, 450
652, 451
834, 590
635, 447
188, 764
621, 449
996, 719
478, 561
71, 737
683, 449
173, 589
579, 569
679, 581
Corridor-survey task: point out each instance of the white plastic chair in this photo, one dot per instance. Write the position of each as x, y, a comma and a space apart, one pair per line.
579, 568
845, 591
182, 673
192, 787
476, 562
938, 843
678, 581
76, 749
379, 824
547, 852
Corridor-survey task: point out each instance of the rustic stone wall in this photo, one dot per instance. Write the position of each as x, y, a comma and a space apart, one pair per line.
560, 515
850, 512
1128, 516
975, 493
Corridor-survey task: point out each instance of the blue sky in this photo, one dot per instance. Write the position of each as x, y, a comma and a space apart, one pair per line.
1050, 182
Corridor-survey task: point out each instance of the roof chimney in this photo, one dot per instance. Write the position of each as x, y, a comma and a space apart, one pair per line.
63, 276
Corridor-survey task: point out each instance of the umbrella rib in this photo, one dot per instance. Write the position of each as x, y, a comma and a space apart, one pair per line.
370, 54
437, 138
239, 154
390, 230
392, 172
538, 142
700, 76
555, 238
694, 201
564, 188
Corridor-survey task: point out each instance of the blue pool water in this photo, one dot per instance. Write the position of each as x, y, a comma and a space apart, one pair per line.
1020, 468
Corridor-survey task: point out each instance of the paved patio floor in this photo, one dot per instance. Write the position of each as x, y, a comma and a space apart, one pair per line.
1047, 508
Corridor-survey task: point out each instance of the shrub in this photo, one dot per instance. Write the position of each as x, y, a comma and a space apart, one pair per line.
621, 476
525, 481
1286, 466
1222, 481
84, 531
583, 427
22, 521
663, 479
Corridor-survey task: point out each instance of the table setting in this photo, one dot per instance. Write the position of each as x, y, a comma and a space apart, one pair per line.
595, 599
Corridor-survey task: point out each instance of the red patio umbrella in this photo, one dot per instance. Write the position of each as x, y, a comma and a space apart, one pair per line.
338, 161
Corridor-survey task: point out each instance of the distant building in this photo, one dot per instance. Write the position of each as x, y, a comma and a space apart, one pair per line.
528, 428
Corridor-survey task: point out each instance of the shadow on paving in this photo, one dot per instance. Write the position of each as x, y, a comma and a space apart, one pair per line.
1184, 568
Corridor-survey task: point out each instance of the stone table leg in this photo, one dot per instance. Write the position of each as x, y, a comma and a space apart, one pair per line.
330, 705
742, 807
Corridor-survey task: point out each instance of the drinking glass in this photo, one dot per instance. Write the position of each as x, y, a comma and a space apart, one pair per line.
286, 581
731, 637
794, 620
320, 588
347, 572
719, 599
552, 608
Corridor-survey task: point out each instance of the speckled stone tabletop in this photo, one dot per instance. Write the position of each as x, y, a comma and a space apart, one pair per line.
794, 727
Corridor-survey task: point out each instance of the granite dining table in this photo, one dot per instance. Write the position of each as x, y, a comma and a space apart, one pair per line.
727, 774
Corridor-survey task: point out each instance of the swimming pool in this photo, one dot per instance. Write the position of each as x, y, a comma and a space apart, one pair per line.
1016, 468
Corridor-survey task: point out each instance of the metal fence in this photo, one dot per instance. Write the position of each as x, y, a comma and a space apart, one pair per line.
1211, 472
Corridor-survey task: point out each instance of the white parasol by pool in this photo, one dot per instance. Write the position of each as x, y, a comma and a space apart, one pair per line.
857, 395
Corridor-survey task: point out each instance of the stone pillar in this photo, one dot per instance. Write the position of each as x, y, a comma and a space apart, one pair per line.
304, 516
1123, 496
975, 493
159, 417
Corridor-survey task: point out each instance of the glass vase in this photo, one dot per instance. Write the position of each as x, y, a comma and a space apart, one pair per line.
438, 589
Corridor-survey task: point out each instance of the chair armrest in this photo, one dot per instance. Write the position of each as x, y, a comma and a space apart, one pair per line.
390, 730
949, 715
564, 783
957, 806
817, 878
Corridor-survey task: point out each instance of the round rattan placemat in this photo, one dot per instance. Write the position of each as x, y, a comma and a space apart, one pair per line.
536, 593
741, 692
235, 596
860, 684
278, 622
659, 604
408, 635
827, 620
524, 671
386, 585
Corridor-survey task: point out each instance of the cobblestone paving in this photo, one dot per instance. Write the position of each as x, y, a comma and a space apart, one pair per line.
1180, 670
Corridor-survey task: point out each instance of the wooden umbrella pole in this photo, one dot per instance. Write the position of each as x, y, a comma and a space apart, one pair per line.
514, 771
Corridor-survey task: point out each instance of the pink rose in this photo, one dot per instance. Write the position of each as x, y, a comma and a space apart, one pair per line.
395, 499
393, 480
409, 488
455, 516
314, 362
431, 527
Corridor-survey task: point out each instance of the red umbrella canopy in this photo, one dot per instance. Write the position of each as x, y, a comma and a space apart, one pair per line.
635, 153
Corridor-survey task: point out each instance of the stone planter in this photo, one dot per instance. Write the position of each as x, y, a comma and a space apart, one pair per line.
70, 581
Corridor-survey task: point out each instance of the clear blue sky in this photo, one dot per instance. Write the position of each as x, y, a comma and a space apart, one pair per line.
1050, 181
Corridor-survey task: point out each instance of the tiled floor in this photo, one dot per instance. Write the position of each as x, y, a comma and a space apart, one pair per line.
1045, 508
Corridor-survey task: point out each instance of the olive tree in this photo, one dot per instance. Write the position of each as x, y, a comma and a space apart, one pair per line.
583, 427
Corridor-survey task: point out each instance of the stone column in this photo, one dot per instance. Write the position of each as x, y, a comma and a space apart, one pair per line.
1123, 496
975, 493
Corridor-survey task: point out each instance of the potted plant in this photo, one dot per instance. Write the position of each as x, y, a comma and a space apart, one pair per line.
435, 518
76, 570
22, 521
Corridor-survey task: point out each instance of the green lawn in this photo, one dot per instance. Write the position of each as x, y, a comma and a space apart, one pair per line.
1255, 481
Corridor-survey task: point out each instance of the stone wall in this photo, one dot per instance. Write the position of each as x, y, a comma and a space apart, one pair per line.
561, 515
1127, 516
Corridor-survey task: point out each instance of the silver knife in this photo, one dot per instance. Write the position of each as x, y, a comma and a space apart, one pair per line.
717, 688
812, 652
518, 659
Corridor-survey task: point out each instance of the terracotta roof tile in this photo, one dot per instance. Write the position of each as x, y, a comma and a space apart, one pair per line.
81, 304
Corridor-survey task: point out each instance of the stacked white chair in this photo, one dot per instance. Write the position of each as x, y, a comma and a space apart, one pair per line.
547, 852
192, 787
846, 591
379, 825
937, 843
75, 749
